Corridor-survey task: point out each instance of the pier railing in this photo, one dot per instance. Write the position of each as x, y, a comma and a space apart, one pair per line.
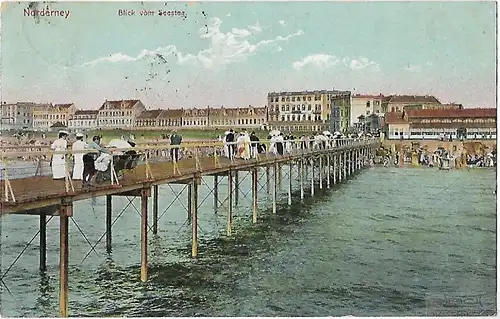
161, 152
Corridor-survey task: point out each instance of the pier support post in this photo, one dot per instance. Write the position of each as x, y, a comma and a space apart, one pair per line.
344, 165
236, 187
312, 177
216, 193
190, 199
275, 184
340, 167
109, 217
321, 172
43, 241
65, 211
145, 193
194, 217
335, 166
290, 173
328, 170
230, 203
280, 174
155, 209
268, 179
301, 178
254, 194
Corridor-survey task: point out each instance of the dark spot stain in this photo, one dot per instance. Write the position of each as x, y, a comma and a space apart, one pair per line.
206, 26
204, 14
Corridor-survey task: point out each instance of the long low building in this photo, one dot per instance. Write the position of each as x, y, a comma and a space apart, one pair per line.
433, 123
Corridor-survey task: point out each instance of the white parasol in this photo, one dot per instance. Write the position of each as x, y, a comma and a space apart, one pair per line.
326, 133
336, 133
226, 132
274, 133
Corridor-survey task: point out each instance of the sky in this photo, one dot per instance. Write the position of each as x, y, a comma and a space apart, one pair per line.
233, 54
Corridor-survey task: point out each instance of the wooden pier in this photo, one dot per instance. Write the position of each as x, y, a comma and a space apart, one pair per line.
42, 196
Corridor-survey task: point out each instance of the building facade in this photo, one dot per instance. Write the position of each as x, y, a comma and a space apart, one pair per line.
250, 117
148, 119
119, 114
195, 118
366, 104
397, 103
433, 123
335, 120
307, 110
46, 115
170, 119
83, 120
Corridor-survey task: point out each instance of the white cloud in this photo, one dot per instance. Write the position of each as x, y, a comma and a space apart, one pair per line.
228, 15
120, 57
318, 60
224, 48
256, 28
321, 60
282, 22
360, 63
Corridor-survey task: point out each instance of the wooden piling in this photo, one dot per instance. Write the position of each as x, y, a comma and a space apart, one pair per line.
43, 241
280, 174
328, 171
216, 193
64, 213
230, 203
301, 179
290, 178
190, 199
236, 188
268, 179
109, 212
155, 209
194, 218
275, 184
312, 177
144, 234
254, 194
320, 172
335, 167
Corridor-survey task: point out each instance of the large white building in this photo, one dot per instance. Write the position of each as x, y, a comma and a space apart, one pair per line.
365, 104
83, 120
307, 110
119, 114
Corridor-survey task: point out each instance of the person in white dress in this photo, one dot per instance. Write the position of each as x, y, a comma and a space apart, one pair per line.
59, 160
78, 145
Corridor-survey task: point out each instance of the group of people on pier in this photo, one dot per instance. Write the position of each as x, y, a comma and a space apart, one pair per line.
90, 157
85, 163
245, 146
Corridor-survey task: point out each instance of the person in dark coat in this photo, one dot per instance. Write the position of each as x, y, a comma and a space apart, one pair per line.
230, 138
280, 144
254, 140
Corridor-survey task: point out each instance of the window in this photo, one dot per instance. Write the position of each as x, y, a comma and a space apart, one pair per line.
368, 104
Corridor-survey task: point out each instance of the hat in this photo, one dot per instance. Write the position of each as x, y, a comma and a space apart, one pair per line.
79, 135
63, 132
